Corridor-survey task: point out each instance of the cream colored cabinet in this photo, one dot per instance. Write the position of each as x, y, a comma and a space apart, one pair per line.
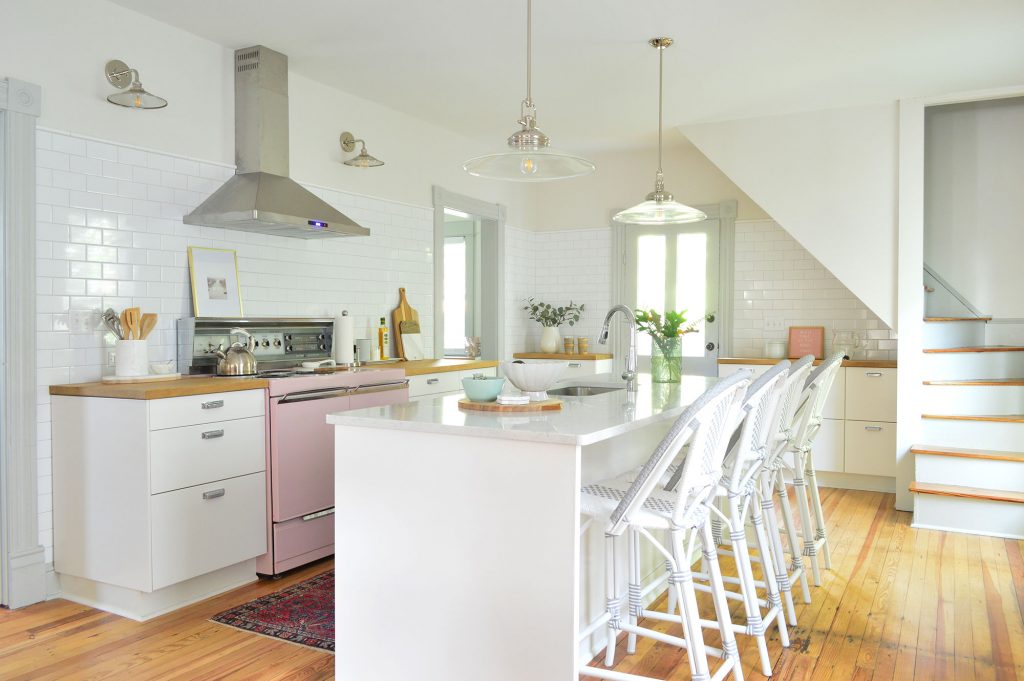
156, 502
871, 448
443, 382
858, 432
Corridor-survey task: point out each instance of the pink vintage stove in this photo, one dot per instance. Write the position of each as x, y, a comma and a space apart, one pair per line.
300, 443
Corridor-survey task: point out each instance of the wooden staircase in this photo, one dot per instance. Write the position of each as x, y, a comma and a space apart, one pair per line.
970, 477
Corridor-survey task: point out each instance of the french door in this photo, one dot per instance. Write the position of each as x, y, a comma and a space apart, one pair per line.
675, 267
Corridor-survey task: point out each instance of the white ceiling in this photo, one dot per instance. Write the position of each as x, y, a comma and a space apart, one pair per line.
461, 63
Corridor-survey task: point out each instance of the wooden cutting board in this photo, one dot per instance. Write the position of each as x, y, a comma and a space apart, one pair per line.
402, 313
543, 405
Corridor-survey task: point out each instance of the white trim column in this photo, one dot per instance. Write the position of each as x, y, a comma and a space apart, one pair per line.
20, 551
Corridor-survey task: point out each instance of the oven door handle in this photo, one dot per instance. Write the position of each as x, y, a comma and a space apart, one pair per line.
322, 394
380, 387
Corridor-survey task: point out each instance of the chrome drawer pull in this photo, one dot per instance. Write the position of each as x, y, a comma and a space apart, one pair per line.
211, 434
872, 427
214, 404
432, 381
318, 514
873, 374
213, 493
574, 365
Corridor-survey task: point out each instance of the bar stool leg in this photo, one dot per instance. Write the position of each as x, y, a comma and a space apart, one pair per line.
752, 609
806, 527
612, 603
820, 530
729, 646
635, 604
794, 544
769, 570
775, 545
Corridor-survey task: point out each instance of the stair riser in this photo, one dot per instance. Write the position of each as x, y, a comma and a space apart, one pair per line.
973, 399
968, 365
964, 472
974, 516
1006, 437
953, 334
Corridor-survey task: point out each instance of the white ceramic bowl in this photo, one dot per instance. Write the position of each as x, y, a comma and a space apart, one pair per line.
162, 367
534, 378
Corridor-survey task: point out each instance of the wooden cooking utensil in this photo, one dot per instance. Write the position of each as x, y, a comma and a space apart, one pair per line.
126, 328
402, 313
133, 318
146, 325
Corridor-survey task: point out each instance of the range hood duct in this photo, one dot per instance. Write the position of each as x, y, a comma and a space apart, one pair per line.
261, 197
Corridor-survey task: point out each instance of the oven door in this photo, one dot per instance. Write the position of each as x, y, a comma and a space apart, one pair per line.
302, 451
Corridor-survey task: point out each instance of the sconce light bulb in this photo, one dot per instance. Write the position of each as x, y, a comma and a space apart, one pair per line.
528, 166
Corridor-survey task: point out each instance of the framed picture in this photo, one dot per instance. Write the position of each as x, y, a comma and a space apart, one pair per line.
214, 274
807, 340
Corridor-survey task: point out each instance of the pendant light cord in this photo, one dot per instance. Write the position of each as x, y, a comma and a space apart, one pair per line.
661, 87
529, 53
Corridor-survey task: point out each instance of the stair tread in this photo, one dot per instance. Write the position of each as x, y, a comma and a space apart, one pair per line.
999, 418
967, 453
980, 381
958, 319
966, 492
979, 348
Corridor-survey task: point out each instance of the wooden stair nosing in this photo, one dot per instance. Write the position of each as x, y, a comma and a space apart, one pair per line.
996, 382
958, 319
987, 454
976, 348
967, 492
993, 418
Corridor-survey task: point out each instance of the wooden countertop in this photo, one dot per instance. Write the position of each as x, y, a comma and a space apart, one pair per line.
587, 356
856, 363
182, 387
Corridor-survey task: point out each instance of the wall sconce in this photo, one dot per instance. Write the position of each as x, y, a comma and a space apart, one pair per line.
135, 96
363, 160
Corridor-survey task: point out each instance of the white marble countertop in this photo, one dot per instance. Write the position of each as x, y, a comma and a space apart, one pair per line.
581, 421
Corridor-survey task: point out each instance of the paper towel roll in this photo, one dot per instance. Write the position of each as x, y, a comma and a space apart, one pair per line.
344, 338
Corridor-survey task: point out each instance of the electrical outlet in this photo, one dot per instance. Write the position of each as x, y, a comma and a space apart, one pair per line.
110, 358
83, 321
774, 324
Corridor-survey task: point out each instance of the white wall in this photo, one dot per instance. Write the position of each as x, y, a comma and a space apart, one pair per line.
777, 280
624, 178
974, 206
62, 46
829, 178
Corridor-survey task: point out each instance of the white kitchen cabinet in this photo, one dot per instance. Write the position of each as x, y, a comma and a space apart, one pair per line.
858, 431
827, 453
443, 382
156, 504
581, 368
871, 394
871, 447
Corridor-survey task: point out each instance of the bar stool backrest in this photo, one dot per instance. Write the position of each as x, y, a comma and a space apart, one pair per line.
812, 401
798, 373
761, 414
707, 424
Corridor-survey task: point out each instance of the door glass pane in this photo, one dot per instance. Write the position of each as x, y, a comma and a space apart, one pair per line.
650, 280
691, 285
454, 300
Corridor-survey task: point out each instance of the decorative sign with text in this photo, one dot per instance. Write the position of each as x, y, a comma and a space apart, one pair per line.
807, 340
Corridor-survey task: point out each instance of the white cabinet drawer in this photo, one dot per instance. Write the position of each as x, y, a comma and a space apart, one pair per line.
871, 448
433, 384
827, 449
871, 394
193, 455
489, 371
580, 367
187, 411
204, 528
730, 369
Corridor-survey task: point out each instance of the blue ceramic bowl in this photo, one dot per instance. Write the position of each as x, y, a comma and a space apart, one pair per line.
482, 389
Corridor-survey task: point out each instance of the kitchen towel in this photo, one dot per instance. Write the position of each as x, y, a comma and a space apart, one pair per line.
344, 338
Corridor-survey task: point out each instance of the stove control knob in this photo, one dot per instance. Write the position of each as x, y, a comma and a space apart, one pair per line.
288, 336
277, 342
266, 343
320, 337
288, 348
323, 346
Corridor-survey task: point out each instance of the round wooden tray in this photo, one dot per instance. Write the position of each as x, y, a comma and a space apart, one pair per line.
544, 405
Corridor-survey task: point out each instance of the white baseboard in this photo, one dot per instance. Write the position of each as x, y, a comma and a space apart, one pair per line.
141, 606
26, 581
925, 526
866, 483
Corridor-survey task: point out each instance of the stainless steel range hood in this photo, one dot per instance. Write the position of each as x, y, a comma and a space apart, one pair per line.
261, 197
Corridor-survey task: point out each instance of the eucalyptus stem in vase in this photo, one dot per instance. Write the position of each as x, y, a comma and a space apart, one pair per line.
666, 331
551, 317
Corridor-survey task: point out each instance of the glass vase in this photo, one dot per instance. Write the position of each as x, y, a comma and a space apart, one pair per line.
666, 360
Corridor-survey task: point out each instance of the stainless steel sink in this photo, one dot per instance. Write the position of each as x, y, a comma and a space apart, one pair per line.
583, 390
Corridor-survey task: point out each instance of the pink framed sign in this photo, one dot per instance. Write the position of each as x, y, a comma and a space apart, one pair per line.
807, 340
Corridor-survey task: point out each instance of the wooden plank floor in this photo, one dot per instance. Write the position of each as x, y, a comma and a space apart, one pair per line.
898, 604
60, 640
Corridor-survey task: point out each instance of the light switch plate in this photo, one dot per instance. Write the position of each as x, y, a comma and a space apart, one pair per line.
83, 321
774, 324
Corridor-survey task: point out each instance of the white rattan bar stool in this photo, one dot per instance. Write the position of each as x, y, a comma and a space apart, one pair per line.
642, 508
806, 427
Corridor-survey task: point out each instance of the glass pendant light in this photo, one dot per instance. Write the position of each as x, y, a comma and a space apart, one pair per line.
529, 158
659, 208
134, 96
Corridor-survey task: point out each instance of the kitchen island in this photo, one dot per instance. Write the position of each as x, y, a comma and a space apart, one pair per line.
461, 552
